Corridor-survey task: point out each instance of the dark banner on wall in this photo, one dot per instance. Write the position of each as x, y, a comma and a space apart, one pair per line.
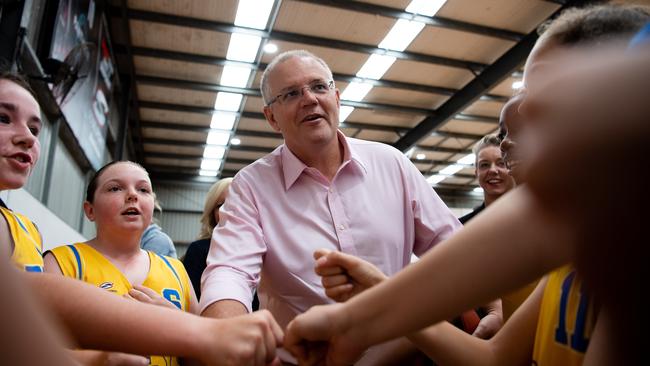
80, 40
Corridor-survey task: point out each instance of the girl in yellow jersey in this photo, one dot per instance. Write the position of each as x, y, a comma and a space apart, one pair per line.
20, 124
120, 201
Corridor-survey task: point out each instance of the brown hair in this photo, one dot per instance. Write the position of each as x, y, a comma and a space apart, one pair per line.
595, 24
18, 79
92, 186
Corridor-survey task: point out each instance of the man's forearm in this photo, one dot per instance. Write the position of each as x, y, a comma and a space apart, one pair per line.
224, 309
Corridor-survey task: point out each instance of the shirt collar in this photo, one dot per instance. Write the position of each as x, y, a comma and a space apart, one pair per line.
292, 166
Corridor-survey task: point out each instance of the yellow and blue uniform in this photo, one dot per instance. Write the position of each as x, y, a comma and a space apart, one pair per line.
566, 320
166, 276
28, 244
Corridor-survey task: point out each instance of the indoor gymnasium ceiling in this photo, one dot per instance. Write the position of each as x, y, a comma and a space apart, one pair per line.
429, 85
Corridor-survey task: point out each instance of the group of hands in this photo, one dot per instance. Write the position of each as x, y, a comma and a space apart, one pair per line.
320, 336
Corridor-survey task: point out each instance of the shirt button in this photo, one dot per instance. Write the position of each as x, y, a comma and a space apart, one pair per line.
341, 227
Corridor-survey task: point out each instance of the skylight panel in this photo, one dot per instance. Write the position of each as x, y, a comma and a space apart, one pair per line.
223, 120
253, 13
355, 91
401, 35
376, 66
344, 112
236, 76
227, 101
425, 7
243, 47
219, 138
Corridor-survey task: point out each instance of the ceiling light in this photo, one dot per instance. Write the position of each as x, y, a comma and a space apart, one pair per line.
425, 7
467, 159
355, 91
218, 138
214, 152
478, 190
376, 66
436, 178
211, 164
236, 76
208, 173
344, 112
253, 13
401, 35
227, 101
235, 141
517, 84
223, 120
243, 47
270, 48
452, 169
420, 156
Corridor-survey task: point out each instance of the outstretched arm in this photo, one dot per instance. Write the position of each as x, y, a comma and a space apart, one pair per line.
97, 319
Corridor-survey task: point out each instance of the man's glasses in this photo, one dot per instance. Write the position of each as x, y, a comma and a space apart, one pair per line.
318, 87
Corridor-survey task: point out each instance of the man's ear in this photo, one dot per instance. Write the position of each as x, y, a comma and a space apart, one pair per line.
270, 118
89, 210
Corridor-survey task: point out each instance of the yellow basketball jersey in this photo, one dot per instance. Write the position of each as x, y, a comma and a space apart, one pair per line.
566, 320
28, 245
166, 276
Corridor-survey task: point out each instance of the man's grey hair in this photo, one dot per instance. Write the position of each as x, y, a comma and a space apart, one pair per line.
264, 83
486, 141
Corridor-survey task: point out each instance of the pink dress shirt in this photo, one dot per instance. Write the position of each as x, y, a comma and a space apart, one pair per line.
279, 211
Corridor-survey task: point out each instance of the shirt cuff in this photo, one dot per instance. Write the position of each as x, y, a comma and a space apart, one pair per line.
222, 286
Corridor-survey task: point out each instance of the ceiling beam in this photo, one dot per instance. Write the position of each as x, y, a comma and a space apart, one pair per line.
490, 77
363, 105
435, 21
493, 75
210, 60
276, 135
297, 38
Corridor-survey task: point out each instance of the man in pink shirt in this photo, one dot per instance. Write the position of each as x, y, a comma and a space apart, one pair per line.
319, 189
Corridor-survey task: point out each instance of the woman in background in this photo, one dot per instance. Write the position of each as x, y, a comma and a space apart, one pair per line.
197, 252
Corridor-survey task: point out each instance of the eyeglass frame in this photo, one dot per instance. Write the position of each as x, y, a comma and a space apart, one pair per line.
329, 83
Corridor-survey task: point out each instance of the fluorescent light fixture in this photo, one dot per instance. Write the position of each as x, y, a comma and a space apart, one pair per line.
219, 138
452, 169
344, 112
235, 141
478, 190
420, 156
211, 164
243, 47
208, 173
355, 91
401, 35
214, 152
235, 76
518, 84
468, 159
270, 48
436, 178
425, 7
227, 101
223, 120
253, 13
376, 66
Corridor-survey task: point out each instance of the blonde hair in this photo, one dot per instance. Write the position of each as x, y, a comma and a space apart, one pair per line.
208, 222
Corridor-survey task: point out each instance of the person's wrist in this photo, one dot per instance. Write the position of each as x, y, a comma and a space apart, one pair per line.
198, 341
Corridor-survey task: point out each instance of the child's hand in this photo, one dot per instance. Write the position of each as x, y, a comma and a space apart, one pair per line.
250, 339
344, 275
148, 296
320, 336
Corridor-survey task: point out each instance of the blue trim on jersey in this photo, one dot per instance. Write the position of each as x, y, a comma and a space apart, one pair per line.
180, 283
22, 226
77, 257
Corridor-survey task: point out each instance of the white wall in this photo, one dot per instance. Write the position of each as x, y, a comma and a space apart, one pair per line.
55, 231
